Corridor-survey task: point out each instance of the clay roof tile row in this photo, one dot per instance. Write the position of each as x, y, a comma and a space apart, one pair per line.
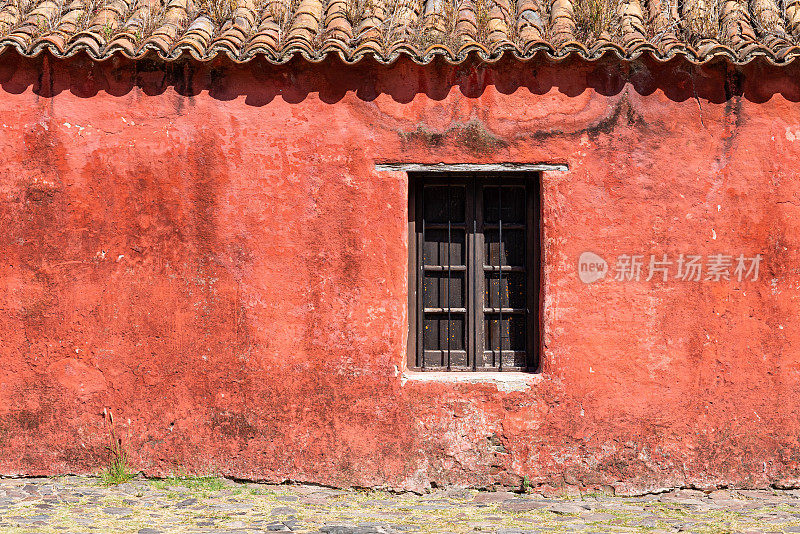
738, 30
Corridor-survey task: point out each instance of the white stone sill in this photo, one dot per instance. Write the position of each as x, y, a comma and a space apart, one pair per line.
505, 381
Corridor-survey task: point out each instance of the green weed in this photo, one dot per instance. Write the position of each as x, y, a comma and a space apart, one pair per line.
118, 471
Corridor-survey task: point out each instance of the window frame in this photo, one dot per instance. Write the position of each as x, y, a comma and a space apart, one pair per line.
474, 283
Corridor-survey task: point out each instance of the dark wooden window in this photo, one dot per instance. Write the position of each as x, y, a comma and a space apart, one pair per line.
474, 272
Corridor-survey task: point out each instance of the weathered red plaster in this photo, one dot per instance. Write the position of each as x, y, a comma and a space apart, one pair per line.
208, 252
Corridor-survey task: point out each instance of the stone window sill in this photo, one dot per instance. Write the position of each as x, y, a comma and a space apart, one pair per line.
505, 381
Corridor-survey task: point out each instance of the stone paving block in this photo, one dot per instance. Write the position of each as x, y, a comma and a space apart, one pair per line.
277, 527
459, 493
596, 516
567, 508
521, 505
283, 510
493, 496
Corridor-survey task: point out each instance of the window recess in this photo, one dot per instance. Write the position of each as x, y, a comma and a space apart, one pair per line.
474, 269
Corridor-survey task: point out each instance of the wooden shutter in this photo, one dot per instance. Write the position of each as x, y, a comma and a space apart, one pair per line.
474, 241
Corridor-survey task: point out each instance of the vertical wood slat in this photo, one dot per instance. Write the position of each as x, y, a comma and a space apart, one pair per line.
449, 271
412, 284
480, 277
420, 274
470, 261
532, 262
500, 271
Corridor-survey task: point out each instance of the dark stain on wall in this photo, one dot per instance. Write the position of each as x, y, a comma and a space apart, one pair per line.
472, 136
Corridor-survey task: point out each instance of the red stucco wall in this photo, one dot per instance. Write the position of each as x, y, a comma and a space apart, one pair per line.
208, 252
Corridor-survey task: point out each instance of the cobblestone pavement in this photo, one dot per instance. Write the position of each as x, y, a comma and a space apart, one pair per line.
77, 505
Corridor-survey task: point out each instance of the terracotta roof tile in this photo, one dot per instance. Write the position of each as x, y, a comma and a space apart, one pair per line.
739, 30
